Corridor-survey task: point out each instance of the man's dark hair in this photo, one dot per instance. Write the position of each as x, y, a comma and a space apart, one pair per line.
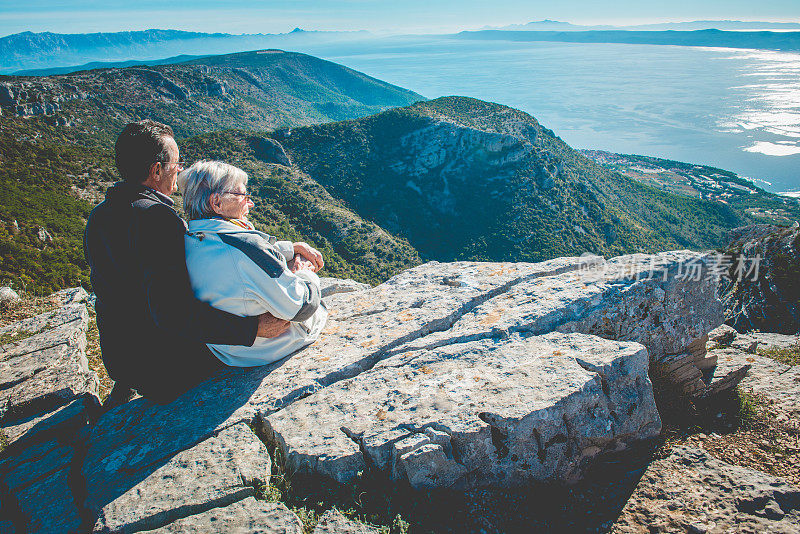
139, 146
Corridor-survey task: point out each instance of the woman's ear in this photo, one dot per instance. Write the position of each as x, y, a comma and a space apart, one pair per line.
215, 201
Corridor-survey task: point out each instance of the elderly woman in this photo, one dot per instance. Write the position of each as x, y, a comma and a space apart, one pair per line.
236, 268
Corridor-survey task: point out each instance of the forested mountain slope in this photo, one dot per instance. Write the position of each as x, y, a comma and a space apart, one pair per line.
462, 178
57, 135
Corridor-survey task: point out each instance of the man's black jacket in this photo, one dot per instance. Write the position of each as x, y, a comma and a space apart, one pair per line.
152, 328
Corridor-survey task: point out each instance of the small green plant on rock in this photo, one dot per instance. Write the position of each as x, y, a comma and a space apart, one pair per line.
789, 355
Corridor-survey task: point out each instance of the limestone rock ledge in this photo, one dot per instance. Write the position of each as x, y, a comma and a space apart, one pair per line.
455, 375
492, 412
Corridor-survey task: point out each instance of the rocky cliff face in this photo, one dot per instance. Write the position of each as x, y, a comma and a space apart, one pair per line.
461, 375
496, 183
763, 292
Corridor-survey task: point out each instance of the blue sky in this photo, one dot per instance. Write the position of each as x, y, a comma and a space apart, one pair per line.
80, 16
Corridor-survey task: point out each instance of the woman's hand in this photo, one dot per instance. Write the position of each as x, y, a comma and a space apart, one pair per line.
298, 264
308, 254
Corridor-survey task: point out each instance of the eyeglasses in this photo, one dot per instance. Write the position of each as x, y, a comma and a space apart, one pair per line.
247, 196
180, 163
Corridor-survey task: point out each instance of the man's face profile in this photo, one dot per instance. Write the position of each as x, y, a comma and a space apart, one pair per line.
168, 173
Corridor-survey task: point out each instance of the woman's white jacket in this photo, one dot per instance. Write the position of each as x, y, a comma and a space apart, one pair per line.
244, 272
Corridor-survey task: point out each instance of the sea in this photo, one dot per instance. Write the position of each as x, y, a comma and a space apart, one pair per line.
736, 109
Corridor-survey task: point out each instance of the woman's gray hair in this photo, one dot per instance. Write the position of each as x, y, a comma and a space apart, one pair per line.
204, 179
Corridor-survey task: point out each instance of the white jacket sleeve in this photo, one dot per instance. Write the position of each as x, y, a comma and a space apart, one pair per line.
286, 248
286, 295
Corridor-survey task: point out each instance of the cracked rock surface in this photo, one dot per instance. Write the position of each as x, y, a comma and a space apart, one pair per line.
690, 491
493, 412
246, 516
455, 375
216, 472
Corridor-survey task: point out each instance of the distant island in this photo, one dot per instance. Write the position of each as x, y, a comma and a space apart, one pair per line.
766, 40
738, 25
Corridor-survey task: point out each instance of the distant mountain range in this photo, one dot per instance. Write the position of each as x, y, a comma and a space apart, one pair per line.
29, 51
52, 53
56, 146
733, 25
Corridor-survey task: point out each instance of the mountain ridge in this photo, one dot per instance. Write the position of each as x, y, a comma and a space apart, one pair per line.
426, 169
47, 50
56, 144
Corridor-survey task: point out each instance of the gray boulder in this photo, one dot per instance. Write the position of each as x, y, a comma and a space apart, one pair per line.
8, 295
492, 412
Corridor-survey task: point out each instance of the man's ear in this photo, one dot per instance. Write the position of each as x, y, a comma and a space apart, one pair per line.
154, 172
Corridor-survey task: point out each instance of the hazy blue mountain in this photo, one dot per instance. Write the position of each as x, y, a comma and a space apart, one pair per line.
727, 39
37, 51
105, 65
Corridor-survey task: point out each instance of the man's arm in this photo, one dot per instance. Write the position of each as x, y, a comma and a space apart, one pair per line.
172, 303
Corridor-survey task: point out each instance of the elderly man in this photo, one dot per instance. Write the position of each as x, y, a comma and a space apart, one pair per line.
152, 329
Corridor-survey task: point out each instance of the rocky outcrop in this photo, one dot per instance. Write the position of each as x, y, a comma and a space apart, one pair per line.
8, 295
765, 298
47, 396
780, 382
333, 522
162, 84
270, 151
690, 491
29, 99
459, 375
46, 367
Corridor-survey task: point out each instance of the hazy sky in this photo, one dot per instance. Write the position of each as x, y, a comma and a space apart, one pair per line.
80, 16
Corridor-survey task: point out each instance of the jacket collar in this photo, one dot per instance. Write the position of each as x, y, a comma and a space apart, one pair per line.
127, 191
219, 226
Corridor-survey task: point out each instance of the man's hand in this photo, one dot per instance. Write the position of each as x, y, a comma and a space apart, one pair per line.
311, 254
271, 326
